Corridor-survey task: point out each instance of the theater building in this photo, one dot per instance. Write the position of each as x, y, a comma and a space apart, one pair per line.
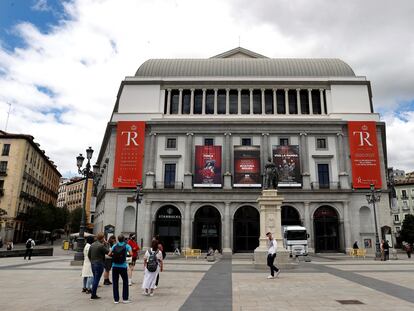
198, 133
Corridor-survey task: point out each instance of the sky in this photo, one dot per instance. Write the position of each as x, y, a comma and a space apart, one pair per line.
61, 62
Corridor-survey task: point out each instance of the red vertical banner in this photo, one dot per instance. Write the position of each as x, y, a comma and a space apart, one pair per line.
207, 166
129, 155
366, 168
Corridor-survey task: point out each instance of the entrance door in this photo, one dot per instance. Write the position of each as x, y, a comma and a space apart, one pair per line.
326, 228
290, 216
207, 228
246, 229
168, 227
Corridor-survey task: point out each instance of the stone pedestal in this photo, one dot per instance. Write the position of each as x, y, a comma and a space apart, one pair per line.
149, 180
188, 181
270, 221
227, 181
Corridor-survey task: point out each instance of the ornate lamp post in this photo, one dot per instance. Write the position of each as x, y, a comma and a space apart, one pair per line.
372, 198
88, 174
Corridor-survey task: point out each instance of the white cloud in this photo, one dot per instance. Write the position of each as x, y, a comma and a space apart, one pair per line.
82, 60
41, 5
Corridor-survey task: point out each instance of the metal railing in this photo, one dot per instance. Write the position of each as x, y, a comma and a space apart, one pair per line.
1, 192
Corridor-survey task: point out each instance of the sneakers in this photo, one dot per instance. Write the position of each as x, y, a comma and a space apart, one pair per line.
151, 294
270, 277
95, 297
107, 282
84, 290
130, 283
116, 302
277, 273
155, 287
126, 301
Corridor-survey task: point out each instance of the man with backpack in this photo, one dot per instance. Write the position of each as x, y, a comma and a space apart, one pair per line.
96, 255
30, 244
119, 253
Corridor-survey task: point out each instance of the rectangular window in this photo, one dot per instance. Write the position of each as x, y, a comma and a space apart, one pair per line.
174, 102
269, 102
284, 141
6, 150
397, 217
3, 166
186, 101
233, 101
323, 176
171, 143
169, 175
1, 184
320, 143
221, 102
208, 141
316, 102
280, 106
245, 101
304, 101
293, 106
246, 141
404, 194
209, 101
257, 101
198, 101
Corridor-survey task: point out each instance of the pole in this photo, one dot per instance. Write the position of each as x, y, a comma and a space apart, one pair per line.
136, 213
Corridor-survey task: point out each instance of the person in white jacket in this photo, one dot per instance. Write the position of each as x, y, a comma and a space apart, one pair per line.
87, 274
271, 255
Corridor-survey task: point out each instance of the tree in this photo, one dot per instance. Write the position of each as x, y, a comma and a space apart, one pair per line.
75, 219
46, 217
407, 230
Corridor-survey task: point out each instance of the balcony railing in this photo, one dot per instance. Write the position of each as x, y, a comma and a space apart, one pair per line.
3, 172
168, 185
397, 222
331, 185
405, 207
404, 197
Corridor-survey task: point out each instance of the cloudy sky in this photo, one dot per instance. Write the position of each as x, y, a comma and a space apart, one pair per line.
61, 62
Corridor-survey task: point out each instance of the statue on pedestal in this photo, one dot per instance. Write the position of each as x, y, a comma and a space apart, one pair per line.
271, 175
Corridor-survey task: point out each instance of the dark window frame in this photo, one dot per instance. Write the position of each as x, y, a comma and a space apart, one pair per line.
173, 141
6, 150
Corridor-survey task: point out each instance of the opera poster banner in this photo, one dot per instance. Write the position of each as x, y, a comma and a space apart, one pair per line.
129, 154
364, 154
287, 163
207, 166
247, 172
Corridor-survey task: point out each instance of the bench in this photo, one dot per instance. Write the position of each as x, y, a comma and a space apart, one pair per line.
191, 252
355, 253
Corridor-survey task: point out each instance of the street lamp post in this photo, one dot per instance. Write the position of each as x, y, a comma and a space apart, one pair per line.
372, 198
88, 174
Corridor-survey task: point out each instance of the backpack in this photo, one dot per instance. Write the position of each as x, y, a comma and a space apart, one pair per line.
119, 254
29, 243
152, 263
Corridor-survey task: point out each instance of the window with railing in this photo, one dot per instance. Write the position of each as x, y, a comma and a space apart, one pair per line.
6, 150
3, 167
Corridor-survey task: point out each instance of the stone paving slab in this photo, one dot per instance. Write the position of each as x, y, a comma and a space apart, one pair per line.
404, 279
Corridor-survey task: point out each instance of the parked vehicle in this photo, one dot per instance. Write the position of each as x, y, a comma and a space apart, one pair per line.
295, 240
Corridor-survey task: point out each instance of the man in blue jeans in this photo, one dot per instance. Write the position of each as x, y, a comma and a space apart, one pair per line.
96, 255
119, 253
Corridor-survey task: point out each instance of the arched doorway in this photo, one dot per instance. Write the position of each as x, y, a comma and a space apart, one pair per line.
326, 228
207, 228
168, 227
246, 229
290, 216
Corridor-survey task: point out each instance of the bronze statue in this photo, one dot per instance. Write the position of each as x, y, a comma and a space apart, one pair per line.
271, 175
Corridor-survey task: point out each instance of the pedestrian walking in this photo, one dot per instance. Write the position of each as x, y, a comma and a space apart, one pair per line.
382, 250
108, 261
10, 246
386, 250
153, 264
408, 249
96, 255
30, 244
135, 249
87, 275
271, 256
164, 254
119, 254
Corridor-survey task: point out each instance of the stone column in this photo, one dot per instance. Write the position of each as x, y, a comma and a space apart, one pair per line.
343, 175
270, 221
203, 109
168, 101
147, 225
227, 101
310, 101
274, 101
215, 101
227, 251
347, 227
150, 174
263, 102
287, 101
239, 101
187, 225
227, 151
298, 101
251, 101
192, 102
188, 161
309, 226
180, 101
322, 101
305, 161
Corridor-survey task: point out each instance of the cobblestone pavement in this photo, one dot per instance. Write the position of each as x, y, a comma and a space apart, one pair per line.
50, 283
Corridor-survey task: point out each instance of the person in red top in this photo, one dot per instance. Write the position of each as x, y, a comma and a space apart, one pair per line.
135, 249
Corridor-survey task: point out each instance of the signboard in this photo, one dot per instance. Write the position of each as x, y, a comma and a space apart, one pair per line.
247, 172
207, 166
129, 155
364, 154
287, 162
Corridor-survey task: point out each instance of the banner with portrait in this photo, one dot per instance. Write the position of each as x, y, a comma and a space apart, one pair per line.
287, 163
207, 166
247, 172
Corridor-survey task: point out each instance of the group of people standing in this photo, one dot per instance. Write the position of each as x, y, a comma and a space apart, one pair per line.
120, 256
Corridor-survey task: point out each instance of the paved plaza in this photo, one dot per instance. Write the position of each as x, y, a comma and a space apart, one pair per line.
51, 283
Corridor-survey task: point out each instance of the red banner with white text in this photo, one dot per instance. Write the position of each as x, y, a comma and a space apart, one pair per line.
129, 155
366, 168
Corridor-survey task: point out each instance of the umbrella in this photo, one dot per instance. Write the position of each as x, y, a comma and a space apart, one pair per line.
75, 235
44, 232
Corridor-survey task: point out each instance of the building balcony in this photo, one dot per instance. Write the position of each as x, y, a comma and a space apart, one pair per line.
3, 172
397, 222
168, 185
405, 207
321, 186
404, 197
